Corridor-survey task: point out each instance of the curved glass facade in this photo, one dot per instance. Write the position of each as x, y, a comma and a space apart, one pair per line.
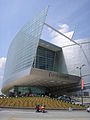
23, 48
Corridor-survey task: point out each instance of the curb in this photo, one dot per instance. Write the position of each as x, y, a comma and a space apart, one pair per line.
26, 108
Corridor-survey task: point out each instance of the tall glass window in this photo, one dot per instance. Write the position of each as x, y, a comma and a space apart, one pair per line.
45, 59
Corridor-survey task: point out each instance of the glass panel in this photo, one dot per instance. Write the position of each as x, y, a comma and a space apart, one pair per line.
23, 47
27, 90
45, 59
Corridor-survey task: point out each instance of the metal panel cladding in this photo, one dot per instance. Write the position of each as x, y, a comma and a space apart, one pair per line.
23, 49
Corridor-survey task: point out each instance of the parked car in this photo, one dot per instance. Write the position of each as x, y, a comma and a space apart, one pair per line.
64, 98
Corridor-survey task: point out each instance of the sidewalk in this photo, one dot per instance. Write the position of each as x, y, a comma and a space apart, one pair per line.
50, 115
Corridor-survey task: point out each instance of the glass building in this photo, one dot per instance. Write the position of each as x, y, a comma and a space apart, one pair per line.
35, 66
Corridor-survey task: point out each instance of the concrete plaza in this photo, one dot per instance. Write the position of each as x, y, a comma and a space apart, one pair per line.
14, 114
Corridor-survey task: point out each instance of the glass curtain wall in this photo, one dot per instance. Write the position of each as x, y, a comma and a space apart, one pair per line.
28, 90
45, 59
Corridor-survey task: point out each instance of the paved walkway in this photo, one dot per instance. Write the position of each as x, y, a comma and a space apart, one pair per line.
50, 115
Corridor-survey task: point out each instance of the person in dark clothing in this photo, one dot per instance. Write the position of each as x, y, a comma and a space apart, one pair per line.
37, 108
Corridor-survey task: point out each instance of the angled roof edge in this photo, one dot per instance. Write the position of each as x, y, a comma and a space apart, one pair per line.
49, 45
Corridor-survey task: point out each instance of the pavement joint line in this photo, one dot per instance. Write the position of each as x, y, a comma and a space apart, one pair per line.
47, 119
20, 118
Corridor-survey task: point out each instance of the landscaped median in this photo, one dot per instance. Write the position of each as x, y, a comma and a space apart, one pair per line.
31, 102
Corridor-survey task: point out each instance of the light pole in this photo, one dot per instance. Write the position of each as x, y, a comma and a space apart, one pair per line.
80, 68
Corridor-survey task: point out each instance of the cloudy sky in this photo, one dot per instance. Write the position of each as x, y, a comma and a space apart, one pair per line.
64, 15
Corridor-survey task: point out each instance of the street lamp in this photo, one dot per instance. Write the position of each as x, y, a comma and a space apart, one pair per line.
80, 68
